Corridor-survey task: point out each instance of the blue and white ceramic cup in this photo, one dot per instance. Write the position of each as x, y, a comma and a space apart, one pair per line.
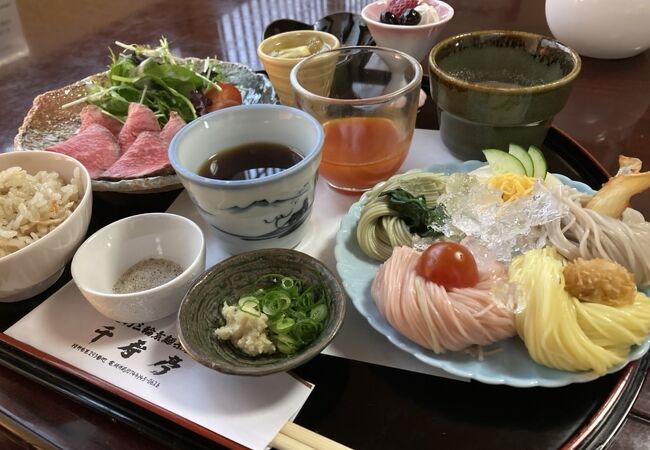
260, 213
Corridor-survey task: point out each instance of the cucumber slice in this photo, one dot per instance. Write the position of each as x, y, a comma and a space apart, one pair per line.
522, 155
539, 162
503, 162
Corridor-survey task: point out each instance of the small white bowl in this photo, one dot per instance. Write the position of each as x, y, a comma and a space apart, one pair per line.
260, 213
107, 254
34, 268
414, 40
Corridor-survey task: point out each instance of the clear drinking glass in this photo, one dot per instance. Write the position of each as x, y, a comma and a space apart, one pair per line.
366, 98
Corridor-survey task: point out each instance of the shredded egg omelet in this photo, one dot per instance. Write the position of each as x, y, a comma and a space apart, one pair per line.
512, 186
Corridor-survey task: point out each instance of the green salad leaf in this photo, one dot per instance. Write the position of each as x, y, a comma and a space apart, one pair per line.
155, 78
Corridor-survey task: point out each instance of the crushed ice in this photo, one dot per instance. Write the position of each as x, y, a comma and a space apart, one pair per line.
506, 228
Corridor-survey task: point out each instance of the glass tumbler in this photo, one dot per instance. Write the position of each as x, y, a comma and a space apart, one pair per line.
366, 98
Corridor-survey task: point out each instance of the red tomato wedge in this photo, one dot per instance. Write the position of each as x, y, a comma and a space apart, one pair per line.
229, 95
448, 264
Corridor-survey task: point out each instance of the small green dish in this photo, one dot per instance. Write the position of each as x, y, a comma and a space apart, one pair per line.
200, 311
494, 88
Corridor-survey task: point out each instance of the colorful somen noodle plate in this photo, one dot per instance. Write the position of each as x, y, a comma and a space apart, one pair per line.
504, 362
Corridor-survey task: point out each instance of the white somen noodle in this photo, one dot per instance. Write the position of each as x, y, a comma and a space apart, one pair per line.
588, 234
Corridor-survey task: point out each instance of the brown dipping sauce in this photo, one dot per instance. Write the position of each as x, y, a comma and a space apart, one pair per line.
249, 161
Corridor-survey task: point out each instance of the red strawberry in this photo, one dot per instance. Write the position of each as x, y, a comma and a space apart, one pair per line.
397, 7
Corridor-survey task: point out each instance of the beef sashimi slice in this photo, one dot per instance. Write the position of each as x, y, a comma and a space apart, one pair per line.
147, 156
173, 125
95, 148
91, 114
139, 119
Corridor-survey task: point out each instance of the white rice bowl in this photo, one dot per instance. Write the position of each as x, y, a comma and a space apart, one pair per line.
45, 210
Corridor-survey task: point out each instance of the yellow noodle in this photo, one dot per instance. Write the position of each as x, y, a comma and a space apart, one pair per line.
379, 229
616, 327
561, 332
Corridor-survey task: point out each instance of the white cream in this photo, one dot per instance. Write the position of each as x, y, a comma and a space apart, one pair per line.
427, 12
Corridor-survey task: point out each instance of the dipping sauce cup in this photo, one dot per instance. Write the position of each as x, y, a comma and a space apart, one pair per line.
267, 207
366, 98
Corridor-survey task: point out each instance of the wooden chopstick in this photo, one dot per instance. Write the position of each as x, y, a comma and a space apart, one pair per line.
295, 437
283, 442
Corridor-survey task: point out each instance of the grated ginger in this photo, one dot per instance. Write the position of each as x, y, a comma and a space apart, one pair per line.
245, 331
599, 281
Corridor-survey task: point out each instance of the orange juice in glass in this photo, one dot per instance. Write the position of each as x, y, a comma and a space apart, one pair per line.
366, 98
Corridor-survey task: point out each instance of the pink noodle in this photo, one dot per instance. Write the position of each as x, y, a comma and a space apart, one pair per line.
429, 315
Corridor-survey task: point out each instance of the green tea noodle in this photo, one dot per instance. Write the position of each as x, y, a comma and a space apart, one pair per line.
588, 234
380, 229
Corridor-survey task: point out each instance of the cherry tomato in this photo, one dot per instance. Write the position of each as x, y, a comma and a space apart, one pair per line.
229, 95
448, 264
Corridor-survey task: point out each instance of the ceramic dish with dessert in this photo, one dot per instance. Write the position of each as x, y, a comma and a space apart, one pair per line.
119, 123
410, 26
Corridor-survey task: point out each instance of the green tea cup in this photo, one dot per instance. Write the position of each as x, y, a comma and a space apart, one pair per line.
493, 88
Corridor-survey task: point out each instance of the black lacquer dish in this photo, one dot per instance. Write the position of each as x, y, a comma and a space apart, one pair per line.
351, 397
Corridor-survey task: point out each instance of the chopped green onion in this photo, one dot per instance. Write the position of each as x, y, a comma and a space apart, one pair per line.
283, 325
296, 313
247, 299
318, 313
250, 305
286, 344
275, 304
306, 330
287, 283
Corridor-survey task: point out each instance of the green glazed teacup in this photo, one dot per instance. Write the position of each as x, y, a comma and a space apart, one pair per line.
493, 88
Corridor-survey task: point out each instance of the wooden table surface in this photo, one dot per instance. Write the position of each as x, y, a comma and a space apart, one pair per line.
607, 114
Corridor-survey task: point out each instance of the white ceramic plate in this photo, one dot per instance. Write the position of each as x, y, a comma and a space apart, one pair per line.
505, 362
